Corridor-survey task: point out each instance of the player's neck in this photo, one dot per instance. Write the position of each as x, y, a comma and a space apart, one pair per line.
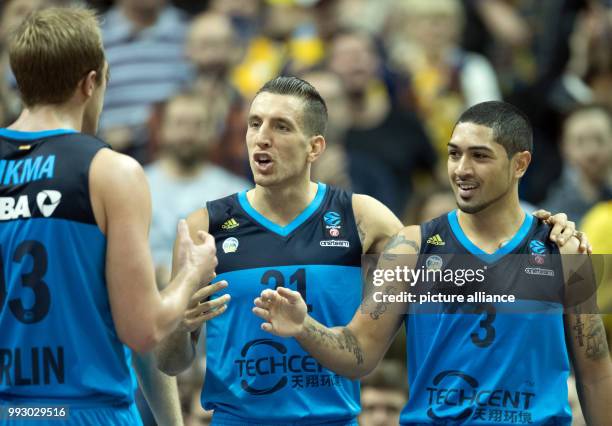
45, 117
492, 227
282, 204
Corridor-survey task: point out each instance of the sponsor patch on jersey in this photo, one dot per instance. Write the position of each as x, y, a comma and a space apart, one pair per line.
230, 245
230, 224
540, 271
335, 243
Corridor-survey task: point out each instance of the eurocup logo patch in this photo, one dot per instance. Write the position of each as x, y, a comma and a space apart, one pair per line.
332, 224
332, 218
537, 247
538, 252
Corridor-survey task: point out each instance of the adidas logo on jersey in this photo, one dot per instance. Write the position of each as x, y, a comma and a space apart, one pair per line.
230, 224
436, 240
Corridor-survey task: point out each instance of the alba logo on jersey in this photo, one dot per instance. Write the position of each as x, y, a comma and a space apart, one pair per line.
11, 208
48, 201
265, 367
19, 208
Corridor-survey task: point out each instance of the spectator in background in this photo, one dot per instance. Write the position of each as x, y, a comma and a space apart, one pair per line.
387, 135
588, 78
183, 179
587, 154
528, 44
213, 49
384, 393
423, 42
287, 44
144, 44
333, 166
244, 14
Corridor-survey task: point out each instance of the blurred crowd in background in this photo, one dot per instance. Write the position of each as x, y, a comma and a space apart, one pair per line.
395, 74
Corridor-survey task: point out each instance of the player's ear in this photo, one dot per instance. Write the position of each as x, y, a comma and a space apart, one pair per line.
520, 163
317, 146
89, 83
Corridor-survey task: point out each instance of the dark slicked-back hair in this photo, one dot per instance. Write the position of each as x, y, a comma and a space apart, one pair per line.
315, 110
511, 128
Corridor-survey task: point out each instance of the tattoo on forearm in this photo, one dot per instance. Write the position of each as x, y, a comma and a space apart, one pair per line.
345, 342
590, 330
397, 241
597, 346
579, 330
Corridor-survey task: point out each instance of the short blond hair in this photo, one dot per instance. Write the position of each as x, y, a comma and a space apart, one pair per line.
52, 50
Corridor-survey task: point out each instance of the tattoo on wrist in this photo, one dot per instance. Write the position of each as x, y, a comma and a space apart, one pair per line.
381, 307
345, 342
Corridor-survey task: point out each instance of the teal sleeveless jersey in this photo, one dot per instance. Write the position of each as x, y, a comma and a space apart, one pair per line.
57, 340
482, 366
253, 377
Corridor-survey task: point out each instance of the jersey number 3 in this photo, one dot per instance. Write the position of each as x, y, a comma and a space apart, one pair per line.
487, 325
32, 280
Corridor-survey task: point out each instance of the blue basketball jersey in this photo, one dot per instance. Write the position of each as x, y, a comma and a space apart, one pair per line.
253, 377
57, 340
483, 366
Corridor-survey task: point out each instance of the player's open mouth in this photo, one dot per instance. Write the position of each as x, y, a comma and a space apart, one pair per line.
467, 189
263, 161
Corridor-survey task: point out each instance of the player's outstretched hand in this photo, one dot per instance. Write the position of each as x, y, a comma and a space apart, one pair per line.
284, 311
195, 258
564, 229
201, 309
